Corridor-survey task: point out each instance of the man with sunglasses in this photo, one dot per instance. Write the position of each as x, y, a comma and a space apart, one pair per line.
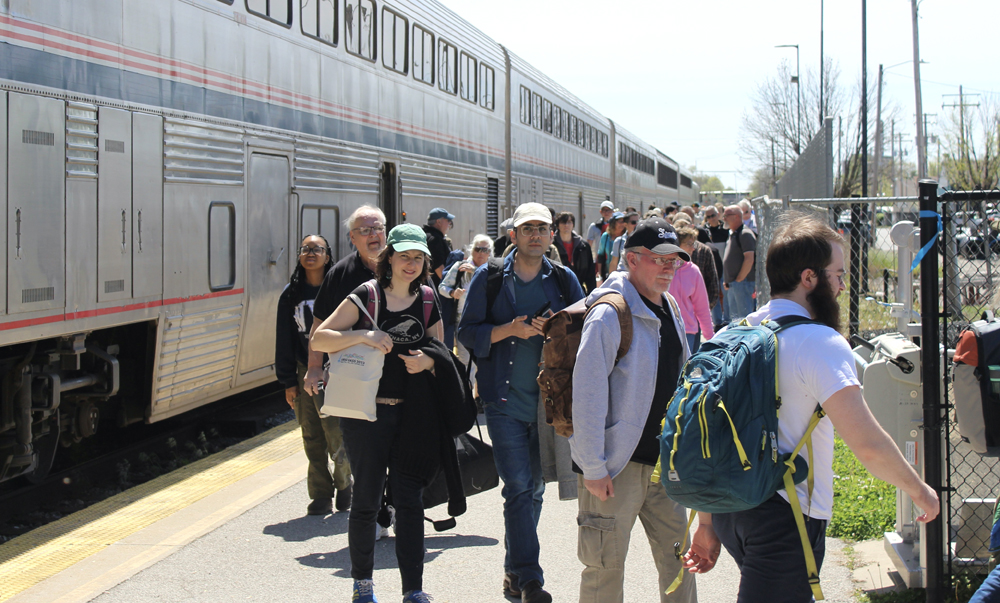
617, 410
505, 338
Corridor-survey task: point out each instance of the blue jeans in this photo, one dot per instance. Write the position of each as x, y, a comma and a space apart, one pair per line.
989, 590
720, 311
740, 298
515, 452
694, 341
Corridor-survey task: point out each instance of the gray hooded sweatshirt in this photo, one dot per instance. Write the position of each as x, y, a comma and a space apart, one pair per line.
611, 402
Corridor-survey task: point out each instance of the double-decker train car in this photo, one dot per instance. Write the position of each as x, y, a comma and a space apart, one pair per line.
162, 160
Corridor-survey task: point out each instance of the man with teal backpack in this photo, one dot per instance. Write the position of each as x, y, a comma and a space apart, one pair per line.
757, 395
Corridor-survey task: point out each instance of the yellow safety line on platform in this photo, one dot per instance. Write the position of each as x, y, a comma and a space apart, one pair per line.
50, 549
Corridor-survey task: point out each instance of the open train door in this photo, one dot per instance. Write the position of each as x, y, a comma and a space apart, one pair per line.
268, 197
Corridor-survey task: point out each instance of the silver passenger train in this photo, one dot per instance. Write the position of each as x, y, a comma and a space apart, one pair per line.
163, 159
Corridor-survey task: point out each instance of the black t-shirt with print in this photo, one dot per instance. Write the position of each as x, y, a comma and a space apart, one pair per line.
667, 371
406, 328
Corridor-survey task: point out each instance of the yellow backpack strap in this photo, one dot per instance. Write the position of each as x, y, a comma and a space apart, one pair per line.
793, 500
679, 553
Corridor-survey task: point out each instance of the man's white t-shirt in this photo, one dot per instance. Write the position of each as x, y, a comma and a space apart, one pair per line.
814, 362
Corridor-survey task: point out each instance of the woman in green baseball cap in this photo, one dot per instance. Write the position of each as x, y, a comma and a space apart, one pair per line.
407, 317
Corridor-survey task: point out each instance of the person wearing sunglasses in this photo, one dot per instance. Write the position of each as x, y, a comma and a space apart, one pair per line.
456, 282
321, 436
718, 235
618, 247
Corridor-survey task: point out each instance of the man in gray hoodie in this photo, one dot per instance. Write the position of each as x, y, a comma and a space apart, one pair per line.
617, 411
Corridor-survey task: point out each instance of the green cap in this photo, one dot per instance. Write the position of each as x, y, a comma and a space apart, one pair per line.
408, 237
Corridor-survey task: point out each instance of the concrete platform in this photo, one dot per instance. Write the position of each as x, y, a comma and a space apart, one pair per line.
252, 541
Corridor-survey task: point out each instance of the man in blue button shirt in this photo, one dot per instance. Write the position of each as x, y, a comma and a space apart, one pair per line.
507, 345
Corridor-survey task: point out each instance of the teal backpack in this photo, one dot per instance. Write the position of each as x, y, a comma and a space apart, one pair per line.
719, 446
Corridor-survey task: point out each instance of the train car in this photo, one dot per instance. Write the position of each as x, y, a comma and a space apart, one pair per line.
635, 173
674, 183
163, 159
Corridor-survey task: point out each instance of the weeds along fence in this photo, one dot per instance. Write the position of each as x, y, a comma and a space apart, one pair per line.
953, 284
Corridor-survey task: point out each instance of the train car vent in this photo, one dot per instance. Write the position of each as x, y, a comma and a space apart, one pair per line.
492, 206
114, 146
29, 296
47, 139
114, 286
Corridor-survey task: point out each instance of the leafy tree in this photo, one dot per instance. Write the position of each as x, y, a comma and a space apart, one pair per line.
970, 138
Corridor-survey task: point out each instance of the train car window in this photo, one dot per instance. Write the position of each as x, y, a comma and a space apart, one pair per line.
360, 28
279, 11
447, 67
565, 121
487, 80
536, 111
572, 129
394, 42
590, 138
319, 20
556, 121
666, 176
423, 55
685, 181
467, 77
525, 106
221, 245
226, 1
581, 133
547, 116
604, 138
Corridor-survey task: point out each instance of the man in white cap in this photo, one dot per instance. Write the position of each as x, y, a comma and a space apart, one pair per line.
597, 228
505, 337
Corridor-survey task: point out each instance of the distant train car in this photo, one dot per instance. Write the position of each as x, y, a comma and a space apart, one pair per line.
163, 160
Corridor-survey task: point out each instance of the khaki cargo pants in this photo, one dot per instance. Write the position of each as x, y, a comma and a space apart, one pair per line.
605, 529
322, 441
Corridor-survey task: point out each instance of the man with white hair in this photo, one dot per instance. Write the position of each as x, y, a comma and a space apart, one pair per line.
597, 228
749, 219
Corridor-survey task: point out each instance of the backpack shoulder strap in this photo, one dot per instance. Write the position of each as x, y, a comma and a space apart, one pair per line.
428, 296
494, 282
562, 276
617, 301
785, 322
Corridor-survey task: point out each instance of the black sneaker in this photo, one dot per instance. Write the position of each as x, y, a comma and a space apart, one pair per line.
511, 586
344, 498
532, 592
320, 506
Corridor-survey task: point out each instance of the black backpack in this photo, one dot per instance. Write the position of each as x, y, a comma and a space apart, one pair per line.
494, 282
976, 378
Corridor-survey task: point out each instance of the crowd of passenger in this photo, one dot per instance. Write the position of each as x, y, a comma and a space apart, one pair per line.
684, 272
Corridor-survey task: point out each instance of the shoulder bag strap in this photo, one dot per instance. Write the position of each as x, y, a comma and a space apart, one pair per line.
428, 296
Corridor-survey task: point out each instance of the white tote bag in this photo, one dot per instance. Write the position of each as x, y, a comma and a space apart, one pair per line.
352, 376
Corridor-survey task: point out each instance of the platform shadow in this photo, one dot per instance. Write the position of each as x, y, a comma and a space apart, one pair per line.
308, 527
385, 552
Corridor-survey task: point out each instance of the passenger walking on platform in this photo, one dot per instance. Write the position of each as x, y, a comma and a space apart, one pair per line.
816, 374
738, 264
617, 411
688, 288
616, 226
618, 247
600, 226
439, 222
321, 436
505, 336
456, 282
406, 437
719, 235
574, 252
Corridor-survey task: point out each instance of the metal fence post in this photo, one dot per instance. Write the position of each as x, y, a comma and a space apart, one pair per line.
931, 376
855, 270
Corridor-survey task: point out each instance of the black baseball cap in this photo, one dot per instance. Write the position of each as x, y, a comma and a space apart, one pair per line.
658, 236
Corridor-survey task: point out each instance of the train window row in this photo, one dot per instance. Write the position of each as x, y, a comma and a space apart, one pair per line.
541, 114
458, 72
666, 176
636, 160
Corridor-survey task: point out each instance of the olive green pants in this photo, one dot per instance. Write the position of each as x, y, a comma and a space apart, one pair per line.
323, 442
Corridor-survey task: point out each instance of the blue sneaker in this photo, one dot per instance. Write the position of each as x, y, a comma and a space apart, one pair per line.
416, 596
364, 592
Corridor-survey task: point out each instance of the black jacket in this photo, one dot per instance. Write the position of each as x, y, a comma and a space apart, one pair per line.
583, 262
438, 407
291, 340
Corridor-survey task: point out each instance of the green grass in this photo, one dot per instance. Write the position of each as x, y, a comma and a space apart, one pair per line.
863, 507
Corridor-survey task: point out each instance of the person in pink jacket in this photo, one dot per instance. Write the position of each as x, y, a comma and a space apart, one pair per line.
688, 288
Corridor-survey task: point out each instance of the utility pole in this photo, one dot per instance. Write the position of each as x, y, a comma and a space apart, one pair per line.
878, 134
822, 107
964, 154
892, 156
921, 166
864, 97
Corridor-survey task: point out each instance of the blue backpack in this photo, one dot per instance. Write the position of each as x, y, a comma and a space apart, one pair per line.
719, 445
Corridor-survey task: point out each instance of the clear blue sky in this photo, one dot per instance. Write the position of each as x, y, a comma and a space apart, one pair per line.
681, 74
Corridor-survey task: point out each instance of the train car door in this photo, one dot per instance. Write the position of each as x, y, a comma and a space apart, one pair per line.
36, 204
114, 205
268, 196
147, 205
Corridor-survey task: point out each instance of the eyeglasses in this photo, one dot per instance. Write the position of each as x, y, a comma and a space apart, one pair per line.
661, 261
530, 230
710, 216
481, 249
309, 250
366, 231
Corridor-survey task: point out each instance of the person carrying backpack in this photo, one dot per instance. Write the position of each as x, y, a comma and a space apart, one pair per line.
816, 378
505, 310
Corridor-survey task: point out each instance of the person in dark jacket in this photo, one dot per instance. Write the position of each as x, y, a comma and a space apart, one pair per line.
439, 222
575, 253
321, 436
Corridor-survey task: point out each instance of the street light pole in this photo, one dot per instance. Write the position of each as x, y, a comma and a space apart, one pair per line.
798, 98
822, 107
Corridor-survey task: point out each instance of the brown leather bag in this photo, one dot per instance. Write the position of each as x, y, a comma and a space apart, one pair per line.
562, 340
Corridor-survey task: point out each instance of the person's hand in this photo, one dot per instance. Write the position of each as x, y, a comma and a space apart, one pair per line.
601, 488
417, 361
523, 330
466, 267
739, 280
704, 551
312, 379
457, 293
290, 394
725, 286
539, 323
927, 500
379, 340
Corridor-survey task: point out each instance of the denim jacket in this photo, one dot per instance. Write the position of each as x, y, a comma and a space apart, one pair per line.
494, 362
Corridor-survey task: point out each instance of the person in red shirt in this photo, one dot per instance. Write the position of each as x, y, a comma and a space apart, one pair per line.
575, 253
